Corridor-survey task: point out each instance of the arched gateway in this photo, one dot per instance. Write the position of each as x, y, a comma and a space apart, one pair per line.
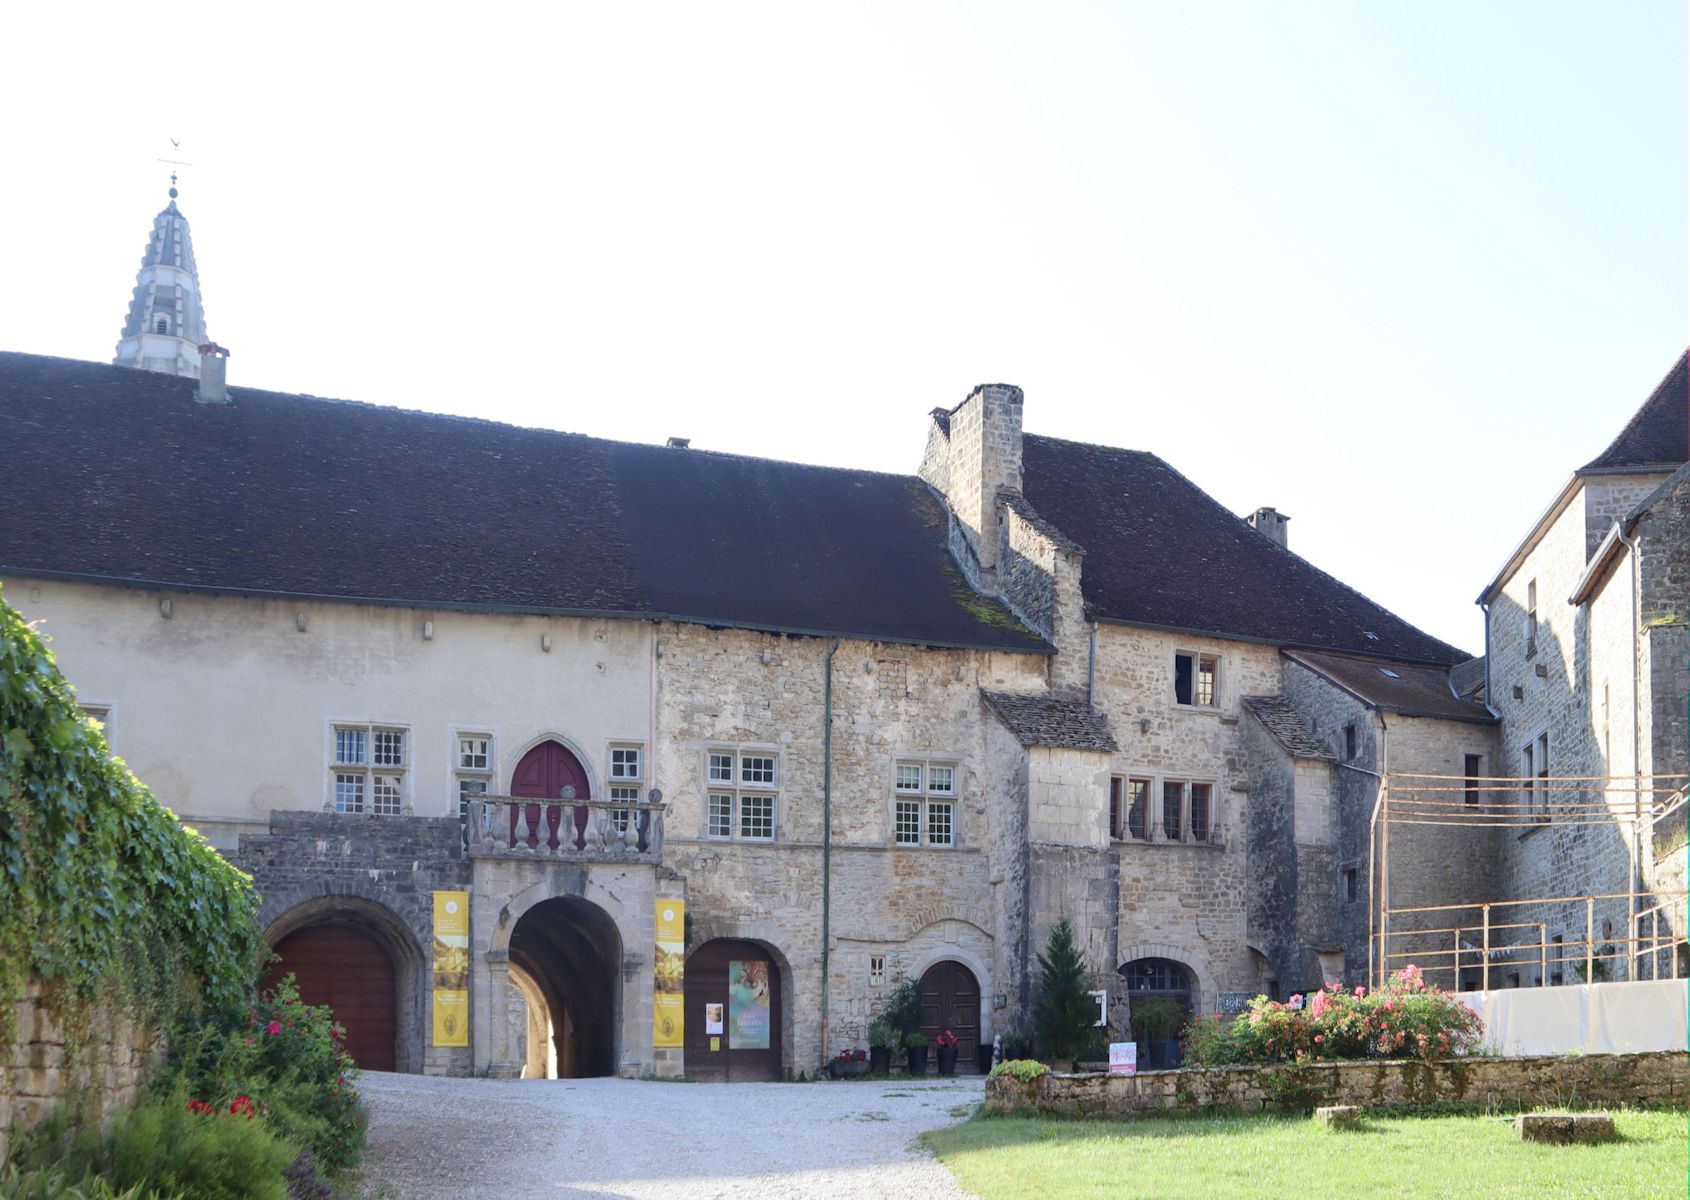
569, 950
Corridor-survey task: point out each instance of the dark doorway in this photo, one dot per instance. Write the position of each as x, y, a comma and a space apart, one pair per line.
571, 951
950, 999
544, 773
1160, 981
742, 979
347, 970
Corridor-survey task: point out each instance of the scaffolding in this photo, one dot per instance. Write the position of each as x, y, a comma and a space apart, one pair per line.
1478, 942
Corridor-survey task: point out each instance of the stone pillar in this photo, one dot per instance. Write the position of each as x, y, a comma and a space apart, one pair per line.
495, 1057
985, 458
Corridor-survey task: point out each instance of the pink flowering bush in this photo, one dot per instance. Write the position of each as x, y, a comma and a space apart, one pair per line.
1407, 1018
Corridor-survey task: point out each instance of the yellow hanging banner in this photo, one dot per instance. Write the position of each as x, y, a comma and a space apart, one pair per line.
451, 968
668, 1023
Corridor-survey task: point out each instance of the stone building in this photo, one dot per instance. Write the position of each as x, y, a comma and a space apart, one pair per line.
856, 726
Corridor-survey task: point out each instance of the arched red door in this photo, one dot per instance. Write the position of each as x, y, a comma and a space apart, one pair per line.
347, 970
543, 773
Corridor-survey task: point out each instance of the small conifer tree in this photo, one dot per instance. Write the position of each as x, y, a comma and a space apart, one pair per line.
1065, 1011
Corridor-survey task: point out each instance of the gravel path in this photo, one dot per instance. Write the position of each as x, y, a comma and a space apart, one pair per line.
434, 1138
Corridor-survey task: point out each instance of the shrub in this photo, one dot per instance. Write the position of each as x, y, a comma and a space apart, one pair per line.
1013, 1045
1406, 1018
221, 1155
1024, 1069
288, 1059
903, 1008
1065, 1011
882, 1035
49, 1183
916, 1040
1157, 1018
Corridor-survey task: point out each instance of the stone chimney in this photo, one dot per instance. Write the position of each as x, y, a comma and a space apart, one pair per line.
1271, 522
214, 380
675, 443
985, 458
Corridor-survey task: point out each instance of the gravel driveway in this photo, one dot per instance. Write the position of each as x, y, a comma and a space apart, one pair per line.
513, 1139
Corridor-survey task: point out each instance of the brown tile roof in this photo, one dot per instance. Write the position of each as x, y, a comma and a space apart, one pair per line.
1041, 720
120, 475
1286, 726
1658, 434
1161, 552
1414, 691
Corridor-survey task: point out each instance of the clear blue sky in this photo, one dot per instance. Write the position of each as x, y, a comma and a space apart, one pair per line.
1395, 268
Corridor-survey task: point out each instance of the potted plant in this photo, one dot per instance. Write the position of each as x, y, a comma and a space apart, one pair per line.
848, 1063
984, 1056
915, 1045
946, 1043
1156, 1022
883, 1039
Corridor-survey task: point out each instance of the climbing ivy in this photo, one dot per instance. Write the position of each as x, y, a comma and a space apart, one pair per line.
102, 891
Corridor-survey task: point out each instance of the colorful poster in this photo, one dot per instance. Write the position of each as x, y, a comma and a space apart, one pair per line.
668, 1021
451, 968
748, 1005
1123, 1058
713, 1018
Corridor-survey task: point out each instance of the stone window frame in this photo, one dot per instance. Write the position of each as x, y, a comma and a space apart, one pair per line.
464, 777
1218, 685
924, 796
1530, 617
1534, 773
1155, 833
619, 785
368, 768
737, 791
101, 711
1120, 805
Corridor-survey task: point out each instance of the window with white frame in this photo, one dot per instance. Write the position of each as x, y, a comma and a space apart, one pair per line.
1534, 767
1531, 618
627, 770
368, 769
741, 788
1197, 679
472, 768
924, 804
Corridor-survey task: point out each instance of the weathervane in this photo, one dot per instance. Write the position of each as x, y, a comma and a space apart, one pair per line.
175, 162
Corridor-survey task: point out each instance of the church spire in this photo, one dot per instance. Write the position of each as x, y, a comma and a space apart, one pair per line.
166, 325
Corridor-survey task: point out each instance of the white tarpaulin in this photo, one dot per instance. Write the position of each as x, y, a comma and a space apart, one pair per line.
1598, 1018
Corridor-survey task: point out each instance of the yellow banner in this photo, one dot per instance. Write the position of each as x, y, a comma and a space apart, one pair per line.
668, 1022
451, 968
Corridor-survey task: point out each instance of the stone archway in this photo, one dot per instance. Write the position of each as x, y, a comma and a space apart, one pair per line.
950, 999
1159, 981
571, 954
356, 956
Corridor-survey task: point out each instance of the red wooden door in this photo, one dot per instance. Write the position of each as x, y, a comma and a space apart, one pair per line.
950, 999
543, 773
347, 970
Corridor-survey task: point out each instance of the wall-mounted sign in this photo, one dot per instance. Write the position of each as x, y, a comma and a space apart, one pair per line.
668, 1020
451, 968
1235, 1002
1000, 1001
713, 1019
1123, 1058
748, 1005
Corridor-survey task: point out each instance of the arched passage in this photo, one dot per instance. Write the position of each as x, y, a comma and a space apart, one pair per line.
741, 980
359, 959
950, 999
570, 951
1159, 982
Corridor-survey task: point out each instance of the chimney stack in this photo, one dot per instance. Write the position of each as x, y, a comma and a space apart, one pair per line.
679, 443
985, 435
214, 374
1271, 522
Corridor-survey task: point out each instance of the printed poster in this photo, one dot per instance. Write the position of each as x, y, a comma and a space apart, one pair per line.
713, 1018
451, 968
748, 1005
668, 1022
1123, 1058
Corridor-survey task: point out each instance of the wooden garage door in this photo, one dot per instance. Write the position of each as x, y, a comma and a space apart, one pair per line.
741, 978
347, 970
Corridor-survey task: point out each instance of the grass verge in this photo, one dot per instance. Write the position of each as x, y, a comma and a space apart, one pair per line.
1010, 1158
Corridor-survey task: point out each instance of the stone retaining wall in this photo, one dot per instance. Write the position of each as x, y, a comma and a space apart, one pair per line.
112, 1059
1490, 1083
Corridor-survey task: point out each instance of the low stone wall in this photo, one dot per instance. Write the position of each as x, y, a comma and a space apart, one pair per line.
1487, 1083
112, 1060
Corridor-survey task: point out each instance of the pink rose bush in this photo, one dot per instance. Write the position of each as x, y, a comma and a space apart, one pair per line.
1405, 1018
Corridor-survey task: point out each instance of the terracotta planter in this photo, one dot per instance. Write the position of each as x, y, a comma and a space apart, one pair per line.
947, 1060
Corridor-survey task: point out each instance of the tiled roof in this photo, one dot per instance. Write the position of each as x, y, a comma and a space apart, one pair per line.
1414, 691
118, 474
1287, 727
1467, 680
1039, 720
1161, 552
1658, 434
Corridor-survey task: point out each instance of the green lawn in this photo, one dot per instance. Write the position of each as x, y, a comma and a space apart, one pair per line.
1007, 1158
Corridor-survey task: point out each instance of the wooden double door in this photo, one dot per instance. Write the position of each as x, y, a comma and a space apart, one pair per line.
349, 971
738, 984
950, 999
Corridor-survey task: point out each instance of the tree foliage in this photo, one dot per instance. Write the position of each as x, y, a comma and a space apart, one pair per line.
102, 891
1064, 1010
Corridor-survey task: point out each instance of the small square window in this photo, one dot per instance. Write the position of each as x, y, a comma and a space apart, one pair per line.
877, 970
389, 748
349, 746
624, 763
386, 796
909, 777
721, 768
941, 780
349, 793
757, 769
472, 753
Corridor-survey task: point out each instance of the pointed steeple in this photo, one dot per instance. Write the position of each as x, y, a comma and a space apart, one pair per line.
166, 325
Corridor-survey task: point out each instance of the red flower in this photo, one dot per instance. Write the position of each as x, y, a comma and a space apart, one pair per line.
199, 1106
273, 1027
242, 1104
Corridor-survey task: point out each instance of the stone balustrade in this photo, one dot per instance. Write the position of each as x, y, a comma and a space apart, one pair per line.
565, 829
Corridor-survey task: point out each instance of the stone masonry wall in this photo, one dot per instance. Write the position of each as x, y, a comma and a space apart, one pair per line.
1507, 1084
1664, 543
105, 1068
